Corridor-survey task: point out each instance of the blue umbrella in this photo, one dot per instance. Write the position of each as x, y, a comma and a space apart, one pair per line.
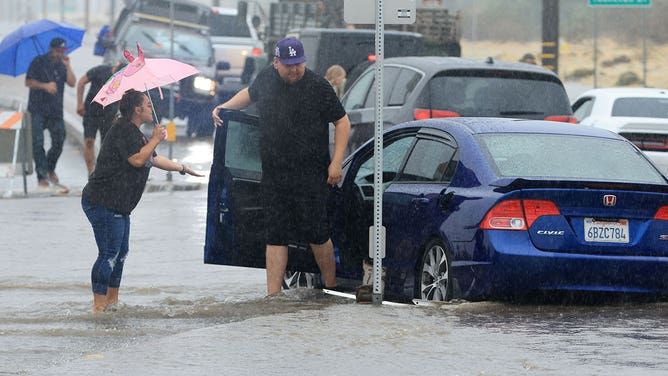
21, 46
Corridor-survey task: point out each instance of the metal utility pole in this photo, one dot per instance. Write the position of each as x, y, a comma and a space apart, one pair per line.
379, 236
171, 93
361, 12
550, 53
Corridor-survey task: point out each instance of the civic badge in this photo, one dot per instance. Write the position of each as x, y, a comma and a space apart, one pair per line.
609, 200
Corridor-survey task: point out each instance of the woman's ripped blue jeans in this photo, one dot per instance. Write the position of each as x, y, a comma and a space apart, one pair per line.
112, 232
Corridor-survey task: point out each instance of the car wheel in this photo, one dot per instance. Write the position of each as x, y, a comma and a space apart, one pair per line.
433, 280
293, 280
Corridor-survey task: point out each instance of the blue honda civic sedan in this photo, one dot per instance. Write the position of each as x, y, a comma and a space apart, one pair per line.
474, 208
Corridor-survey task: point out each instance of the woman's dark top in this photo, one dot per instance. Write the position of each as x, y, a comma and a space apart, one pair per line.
115, 184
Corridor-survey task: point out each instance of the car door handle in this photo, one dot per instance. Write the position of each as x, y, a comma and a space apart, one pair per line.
420, 201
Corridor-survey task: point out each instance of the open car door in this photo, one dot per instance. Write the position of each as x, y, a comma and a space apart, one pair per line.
234, 232
235, 227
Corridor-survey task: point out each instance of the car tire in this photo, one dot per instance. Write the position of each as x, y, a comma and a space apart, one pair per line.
293, 280
433, 280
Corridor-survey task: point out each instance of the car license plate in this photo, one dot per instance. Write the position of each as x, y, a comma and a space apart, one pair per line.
606, 231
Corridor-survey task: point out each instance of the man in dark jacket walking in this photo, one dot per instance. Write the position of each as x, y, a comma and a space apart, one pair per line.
46, 79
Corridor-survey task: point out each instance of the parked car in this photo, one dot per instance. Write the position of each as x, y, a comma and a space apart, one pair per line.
474, 208
148, 22
429, 87
639, 114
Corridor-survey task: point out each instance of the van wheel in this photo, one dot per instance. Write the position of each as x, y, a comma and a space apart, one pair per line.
293, 280
433, 281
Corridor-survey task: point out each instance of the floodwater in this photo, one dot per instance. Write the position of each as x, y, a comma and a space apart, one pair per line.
178, 316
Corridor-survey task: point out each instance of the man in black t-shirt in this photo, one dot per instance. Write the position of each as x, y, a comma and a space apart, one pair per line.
295, 108
46, 78
95, 117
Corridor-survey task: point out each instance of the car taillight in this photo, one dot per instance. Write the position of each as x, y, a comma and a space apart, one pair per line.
371, 57
563, 119
534, 209
256, 52
506, 215
517, 214
662, 213
422, 113
649, 142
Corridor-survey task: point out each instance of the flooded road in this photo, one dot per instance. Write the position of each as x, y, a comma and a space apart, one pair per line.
179, 316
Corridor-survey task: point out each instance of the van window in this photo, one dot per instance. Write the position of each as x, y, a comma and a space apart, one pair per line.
189, 44
229, 26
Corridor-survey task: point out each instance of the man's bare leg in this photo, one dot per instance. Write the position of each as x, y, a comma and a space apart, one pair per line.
324, 257
277, 260
89, 154
99, 302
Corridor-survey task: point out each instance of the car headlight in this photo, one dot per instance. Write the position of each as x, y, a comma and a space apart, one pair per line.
204, 85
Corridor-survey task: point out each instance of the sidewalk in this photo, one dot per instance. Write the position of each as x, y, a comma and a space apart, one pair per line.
71, 167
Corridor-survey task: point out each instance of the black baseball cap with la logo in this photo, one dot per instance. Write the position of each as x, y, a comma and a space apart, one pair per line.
290, 51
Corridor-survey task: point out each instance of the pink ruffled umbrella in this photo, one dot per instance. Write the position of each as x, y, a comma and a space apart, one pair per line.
142, 74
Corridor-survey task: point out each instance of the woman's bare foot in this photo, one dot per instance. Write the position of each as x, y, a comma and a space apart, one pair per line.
99, 303
112, 295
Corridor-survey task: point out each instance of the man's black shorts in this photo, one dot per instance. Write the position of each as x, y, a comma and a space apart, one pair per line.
292, 216
92, 124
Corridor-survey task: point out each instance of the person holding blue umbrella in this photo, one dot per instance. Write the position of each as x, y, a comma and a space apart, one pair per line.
46, 78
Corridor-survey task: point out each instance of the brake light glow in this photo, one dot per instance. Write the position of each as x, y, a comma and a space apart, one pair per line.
563, 119
371, 57
256, 52
422, 113
662, 213
517, 214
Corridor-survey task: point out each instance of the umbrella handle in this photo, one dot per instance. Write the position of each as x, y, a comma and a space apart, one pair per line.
155, 116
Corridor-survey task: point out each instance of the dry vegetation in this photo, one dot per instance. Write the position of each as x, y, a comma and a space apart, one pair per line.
576, 60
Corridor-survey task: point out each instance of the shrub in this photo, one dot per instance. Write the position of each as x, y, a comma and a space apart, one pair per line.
628, 78
580, 73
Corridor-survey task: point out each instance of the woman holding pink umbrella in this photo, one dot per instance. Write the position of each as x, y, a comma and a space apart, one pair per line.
115, 188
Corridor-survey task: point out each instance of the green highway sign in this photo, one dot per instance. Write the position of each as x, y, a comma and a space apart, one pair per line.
620, 3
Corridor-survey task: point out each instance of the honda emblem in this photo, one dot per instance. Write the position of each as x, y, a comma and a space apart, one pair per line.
609, 200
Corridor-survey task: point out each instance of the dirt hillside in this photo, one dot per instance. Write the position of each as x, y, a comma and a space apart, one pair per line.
617, 64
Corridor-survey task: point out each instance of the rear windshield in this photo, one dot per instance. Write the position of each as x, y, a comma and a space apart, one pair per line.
567, 157
189, 44
641, 107
223, 25
497, 94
